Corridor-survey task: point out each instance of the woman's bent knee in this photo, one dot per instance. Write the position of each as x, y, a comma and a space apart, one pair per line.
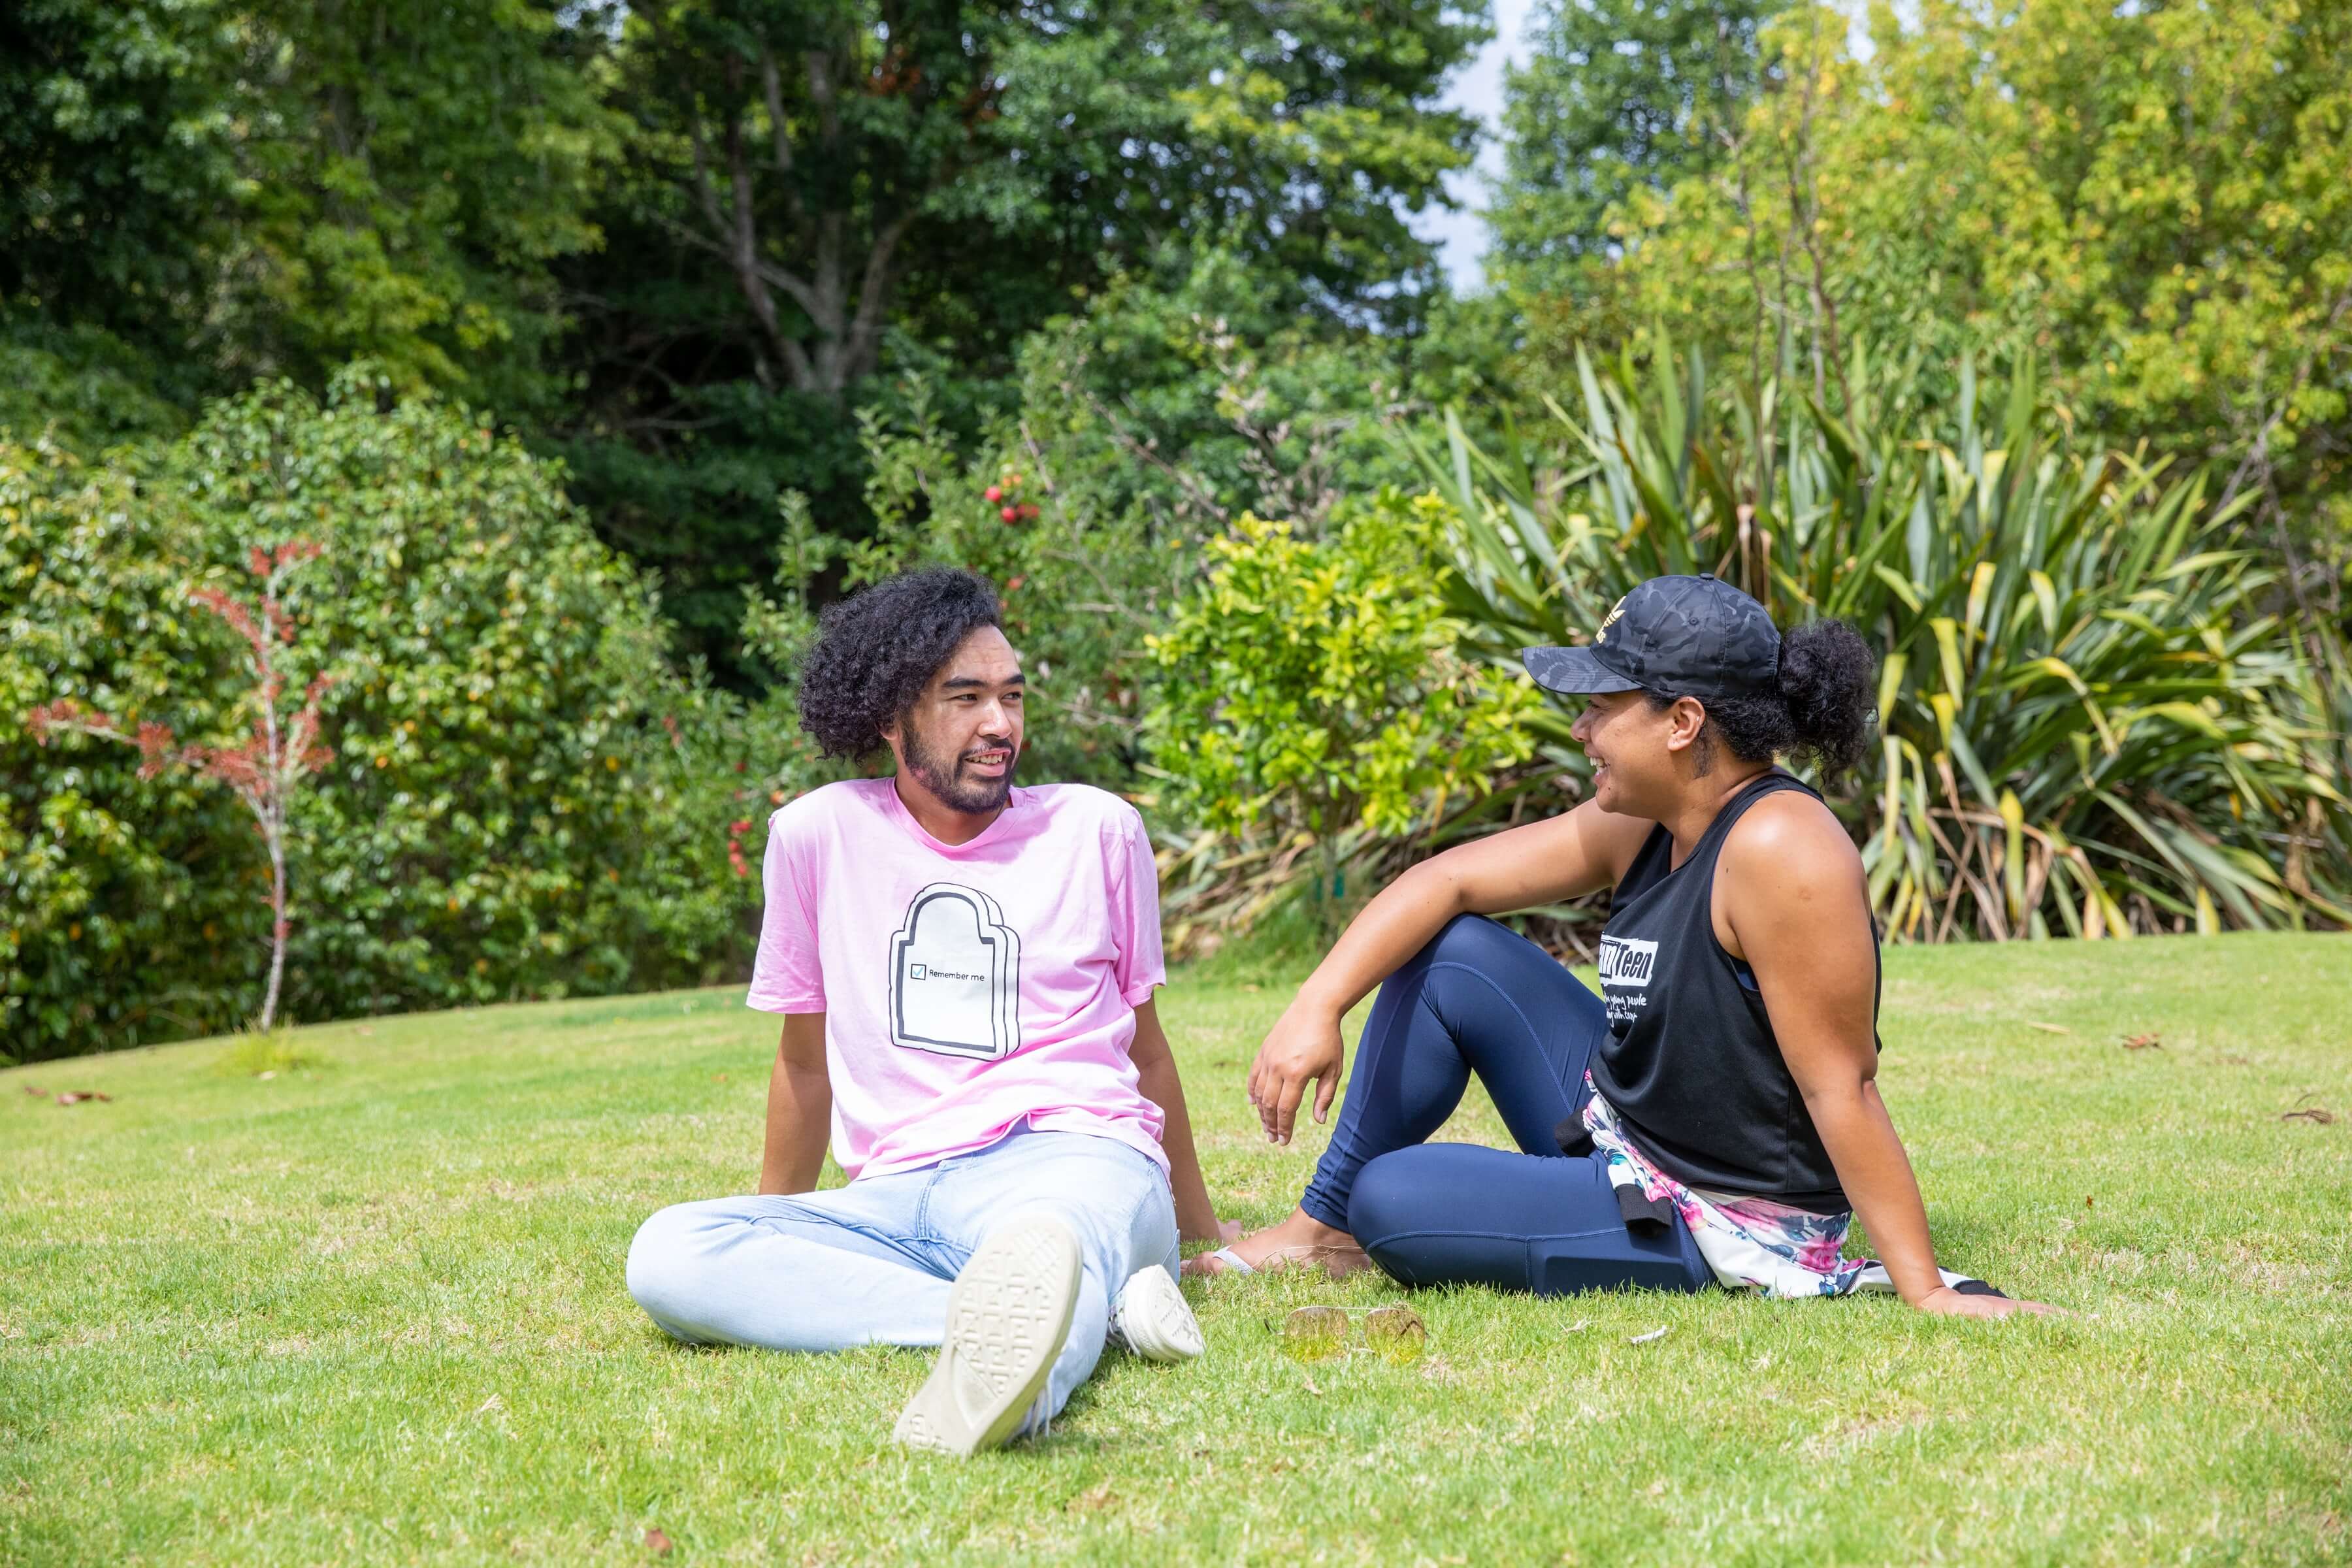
1465, 938
1476, 941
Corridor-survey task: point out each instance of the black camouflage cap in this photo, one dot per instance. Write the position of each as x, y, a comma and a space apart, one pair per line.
1685, 637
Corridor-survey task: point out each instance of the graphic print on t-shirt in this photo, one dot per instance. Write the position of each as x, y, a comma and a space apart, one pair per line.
955, 975
1626, 965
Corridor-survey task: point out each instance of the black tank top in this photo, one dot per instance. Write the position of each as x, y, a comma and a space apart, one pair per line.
1690, 1062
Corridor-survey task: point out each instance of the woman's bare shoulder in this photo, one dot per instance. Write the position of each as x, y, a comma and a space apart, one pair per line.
1790, 839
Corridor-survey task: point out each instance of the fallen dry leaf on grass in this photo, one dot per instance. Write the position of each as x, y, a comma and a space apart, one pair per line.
1313, 1387
1645, 1339
2302, 1112
76, 1096
1093, 1500
35, 1088
2142, 1043
658, 1543
2048, 1028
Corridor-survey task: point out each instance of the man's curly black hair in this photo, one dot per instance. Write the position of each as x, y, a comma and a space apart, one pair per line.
876, 651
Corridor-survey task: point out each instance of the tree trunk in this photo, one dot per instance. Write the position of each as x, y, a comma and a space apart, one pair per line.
276, 924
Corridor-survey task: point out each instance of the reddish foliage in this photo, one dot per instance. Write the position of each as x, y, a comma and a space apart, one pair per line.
229, 610
65, 713
264, 770
154, 745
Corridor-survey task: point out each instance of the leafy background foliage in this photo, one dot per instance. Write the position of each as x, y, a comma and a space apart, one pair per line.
2090, 719
525, 798
603, 344
1311, 694
135, 909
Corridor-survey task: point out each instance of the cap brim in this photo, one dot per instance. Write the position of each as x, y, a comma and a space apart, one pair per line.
1575, 670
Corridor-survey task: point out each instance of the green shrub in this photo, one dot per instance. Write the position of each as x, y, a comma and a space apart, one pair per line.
2091, 718
515, 810
1310, 690
130, 908
524, 799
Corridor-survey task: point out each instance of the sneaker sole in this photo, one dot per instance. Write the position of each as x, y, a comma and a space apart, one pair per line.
1008, 1318
1157, 1322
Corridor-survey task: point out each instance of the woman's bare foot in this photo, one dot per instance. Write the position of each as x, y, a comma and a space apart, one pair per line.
1300, 1241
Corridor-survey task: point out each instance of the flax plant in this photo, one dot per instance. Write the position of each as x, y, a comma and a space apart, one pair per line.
2097, 712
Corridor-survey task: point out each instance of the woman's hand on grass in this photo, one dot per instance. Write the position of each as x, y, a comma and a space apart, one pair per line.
1945, 1301
1223, 1232
1303, 1045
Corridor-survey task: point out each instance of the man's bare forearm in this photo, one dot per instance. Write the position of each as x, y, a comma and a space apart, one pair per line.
800, 1109
1196, 1216
1160, 1083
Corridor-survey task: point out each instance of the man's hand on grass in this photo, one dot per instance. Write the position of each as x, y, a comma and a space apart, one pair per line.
1947, 1302
1303, 1045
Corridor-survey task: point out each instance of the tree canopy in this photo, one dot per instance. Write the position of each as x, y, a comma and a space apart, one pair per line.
1616, 96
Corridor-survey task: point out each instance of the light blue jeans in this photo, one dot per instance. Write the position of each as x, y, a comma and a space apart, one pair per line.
870, 1263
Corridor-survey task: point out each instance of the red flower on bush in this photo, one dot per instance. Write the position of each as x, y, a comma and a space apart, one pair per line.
735, 831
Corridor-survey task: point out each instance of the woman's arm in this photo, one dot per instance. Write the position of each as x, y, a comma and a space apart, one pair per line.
1155, 1067
1791, 893
800, 1109
1581, 851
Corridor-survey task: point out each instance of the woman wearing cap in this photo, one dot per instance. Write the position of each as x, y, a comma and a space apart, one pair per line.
1712, 1116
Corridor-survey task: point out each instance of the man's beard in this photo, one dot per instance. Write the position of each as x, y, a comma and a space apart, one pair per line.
943, 776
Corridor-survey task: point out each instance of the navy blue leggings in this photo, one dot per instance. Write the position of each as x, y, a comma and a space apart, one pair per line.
1479, 998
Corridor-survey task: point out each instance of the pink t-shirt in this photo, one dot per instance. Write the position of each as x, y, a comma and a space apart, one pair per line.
966, 987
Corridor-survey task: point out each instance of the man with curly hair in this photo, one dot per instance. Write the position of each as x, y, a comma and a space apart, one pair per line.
965, 967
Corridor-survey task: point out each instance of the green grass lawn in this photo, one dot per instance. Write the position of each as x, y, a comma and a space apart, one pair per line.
370, 1311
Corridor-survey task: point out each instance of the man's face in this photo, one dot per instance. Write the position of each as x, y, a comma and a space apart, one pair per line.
962, 736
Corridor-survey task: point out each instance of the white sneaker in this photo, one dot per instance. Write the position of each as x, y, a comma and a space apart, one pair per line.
1008, 1318
1151, 1319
